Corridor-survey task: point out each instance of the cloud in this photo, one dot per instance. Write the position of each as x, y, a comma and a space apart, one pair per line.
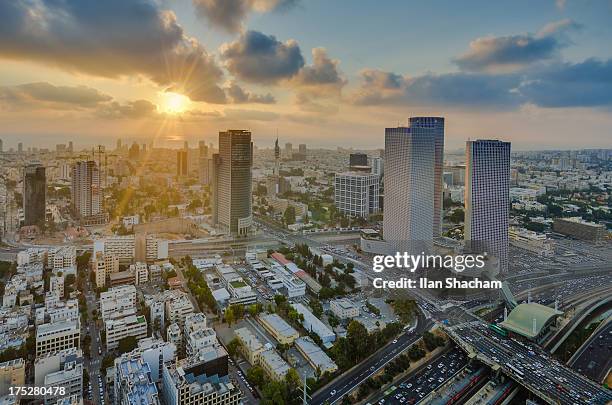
260, 58
132, 110
249, 115
48, 96
585, 84
110, 38
453, 89
322, 78
238, 95
307, 103
230, 14
514, 52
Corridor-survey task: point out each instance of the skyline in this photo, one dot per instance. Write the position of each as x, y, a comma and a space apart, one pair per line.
534, 75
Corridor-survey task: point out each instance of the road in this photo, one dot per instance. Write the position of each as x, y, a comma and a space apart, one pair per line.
93, 359
352, 378
594, 358
418, 385
530, 366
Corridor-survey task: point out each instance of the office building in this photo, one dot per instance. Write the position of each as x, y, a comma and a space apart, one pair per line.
302, 148
205, 170
232, 202
377, 166
487, 199
356, 194
200, 381
580, 229
434, 127
34, 192
53, 337
182, 163
358, 159
86, 190
117, 329
531, 241
155, 352
409, 190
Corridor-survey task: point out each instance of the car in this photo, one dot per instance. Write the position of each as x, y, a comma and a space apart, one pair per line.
394, 341
332, 393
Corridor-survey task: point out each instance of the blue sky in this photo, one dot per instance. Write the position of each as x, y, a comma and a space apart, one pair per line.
321, 72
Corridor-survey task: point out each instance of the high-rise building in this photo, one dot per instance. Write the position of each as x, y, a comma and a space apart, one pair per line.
182, 164
377, 166
20, 147
134, 152
119, 144
1, 147
232, 201
70, 147
203, 149
434, 127
205, 170
86, 191
409, 190
302, 148
34, 191
487, 198
358, 159
356, 193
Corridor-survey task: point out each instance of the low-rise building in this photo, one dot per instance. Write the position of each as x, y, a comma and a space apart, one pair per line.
117, 329
343, 308
313, 324
580, 229
315, 355
133, 383
279, 328
52, 337
273, 364
250, 345
12, 373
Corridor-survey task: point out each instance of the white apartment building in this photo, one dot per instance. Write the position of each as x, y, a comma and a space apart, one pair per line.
178, 307
292, 286
69, 376
53, 337
141, 273
357, 193
132, 381
56, 285
117, 329
61, 257
103, 265
118, 302
343, 308
156, 352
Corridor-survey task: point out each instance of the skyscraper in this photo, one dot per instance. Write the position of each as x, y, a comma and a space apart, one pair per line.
20, 147
302, 148
34, 192
86, 192
358, 159
203, 148
377, 166
434, 127
487, 199
134, 152
409, 189
182, 164
232, 203
356, 193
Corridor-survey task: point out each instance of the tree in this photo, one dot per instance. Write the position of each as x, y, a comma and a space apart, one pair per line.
229, 316
289, 215
127, 344
317, 308
233, 346
457, 216
256, 376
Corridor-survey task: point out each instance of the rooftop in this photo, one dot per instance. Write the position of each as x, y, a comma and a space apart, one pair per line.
520, 320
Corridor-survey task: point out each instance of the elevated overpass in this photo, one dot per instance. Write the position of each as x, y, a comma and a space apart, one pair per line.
589, 307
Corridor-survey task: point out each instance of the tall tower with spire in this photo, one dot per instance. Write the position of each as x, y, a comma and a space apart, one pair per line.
276, 157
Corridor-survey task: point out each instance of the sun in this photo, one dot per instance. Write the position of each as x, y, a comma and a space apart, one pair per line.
174, 103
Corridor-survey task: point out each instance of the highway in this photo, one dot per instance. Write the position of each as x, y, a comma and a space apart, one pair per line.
352, 378
594, 357
530, 366
417, 386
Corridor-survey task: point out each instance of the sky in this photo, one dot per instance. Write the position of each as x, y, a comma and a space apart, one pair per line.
324, 73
